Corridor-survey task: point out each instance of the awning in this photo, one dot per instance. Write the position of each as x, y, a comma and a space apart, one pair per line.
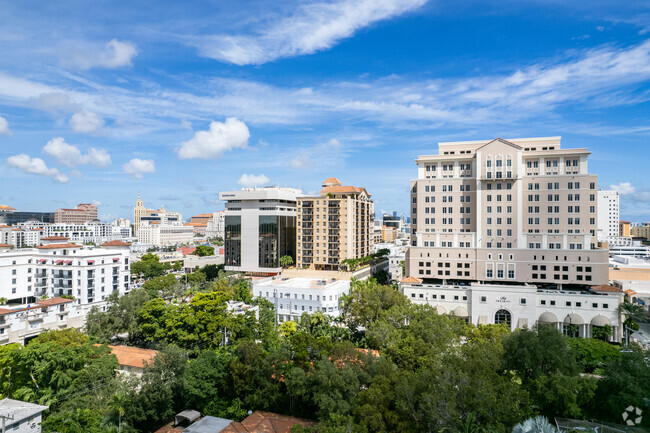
522, 323
483, 320
600, 320
547, 318
58, 262
116, 259
41, 261
187, 415
461, 312
573, 319
68, 262
440, 309
90, 262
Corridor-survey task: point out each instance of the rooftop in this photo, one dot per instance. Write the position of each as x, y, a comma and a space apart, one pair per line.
20, 409
304, 283
115, 243
133, 356
266, 422
57, 246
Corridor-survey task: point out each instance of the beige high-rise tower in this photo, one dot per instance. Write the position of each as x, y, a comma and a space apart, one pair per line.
138, 212
334, 226
510, 211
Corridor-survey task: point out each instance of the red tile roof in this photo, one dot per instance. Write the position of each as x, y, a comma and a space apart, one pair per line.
55, 238
133, 356
411, 280
57, 246
115, 243
266, 422
5, 207
53, 301
331, 180
343, 189
5, 245
606, 288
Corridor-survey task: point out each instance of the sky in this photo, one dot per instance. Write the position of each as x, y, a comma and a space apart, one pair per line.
175, 101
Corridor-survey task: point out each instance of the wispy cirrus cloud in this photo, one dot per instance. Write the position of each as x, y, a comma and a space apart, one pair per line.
313, 27
84, 55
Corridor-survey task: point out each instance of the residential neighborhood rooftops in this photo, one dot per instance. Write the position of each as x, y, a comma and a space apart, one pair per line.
115, 243
266, 422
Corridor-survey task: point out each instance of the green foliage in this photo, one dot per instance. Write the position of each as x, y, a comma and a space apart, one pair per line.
76, 421
165, 287
286, 261
149, 266
120, 316
211, 271
204, 250
539, 424
367, 302
602, 332
592, 353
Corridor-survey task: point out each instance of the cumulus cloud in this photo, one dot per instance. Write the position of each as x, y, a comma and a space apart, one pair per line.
71, 156
4, 126
115, 54
302, 161
86, 121
313, 27
623, 188
139, 167
232, 134
251, 180
35, 166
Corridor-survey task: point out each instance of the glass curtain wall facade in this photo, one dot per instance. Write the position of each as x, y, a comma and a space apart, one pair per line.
232, 241
277, 238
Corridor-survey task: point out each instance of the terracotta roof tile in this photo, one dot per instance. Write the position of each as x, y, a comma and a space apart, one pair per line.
606, 288
411, 280
133, 356
55, 238
5, 207
266, 422
53, 301
115, 243
5, 246
331, 180
57, 246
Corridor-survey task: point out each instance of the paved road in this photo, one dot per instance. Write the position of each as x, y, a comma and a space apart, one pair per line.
643, 334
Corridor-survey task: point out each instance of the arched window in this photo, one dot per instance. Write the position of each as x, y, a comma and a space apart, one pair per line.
503, 316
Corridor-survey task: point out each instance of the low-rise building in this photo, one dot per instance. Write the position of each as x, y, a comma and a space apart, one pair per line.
294, 296
159, 234
574, 312
20, 416
133, 360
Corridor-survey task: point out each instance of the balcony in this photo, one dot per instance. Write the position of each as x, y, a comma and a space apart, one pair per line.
41, 283
4, 337
307, 225
33, 316
333, 225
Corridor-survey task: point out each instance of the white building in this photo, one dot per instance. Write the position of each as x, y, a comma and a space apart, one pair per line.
294, 296
159, 234
396, 259
21, 323
260, 227
608, 214
216, 226
89, 274
29, 234
20, 416
573, 312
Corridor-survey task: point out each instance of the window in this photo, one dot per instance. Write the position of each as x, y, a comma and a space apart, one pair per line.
503, 316
483, 299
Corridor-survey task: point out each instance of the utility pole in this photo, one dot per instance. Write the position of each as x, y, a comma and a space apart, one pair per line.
4, 421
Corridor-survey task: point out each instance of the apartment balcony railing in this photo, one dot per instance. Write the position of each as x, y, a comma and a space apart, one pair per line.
40, 283
307, 225
34, 316
333, 225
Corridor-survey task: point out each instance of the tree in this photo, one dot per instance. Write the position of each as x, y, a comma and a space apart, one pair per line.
286, 261
539, 424
149, 266
204, 250
592, 353
121, 316
602, 332
77, 421
118, 404
367, 302
166, 286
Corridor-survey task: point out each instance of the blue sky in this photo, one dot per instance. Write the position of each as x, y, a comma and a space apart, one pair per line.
176, 101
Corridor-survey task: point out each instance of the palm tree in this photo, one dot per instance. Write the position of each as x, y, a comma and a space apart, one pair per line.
539, 424
634, 312
118, 404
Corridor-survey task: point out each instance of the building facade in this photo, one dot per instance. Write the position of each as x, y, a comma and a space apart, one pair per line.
260, 228
642, 231
334, 226
506, 211
575, 313
57, 268
294, 296
142, 214
10, 216
608, 214
83, 213
161, 234
216, 226
24, 417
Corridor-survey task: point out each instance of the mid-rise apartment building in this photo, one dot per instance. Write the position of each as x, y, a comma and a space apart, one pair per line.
334, 226
58, 268
507, 211
260, 228
161, 234
642, 231
83, 213
10, 216
608, 214
216, 226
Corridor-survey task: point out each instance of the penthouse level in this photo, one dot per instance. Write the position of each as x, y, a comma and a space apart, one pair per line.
516, 210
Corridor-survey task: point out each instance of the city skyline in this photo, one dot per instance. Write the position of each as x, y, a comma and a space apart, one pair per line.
177, 105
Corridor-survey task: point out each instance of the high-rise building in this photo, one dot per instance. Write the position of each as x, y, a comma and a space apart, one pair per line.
506, 211
83, 213
334, 226
608, 214
260, 228
162, 216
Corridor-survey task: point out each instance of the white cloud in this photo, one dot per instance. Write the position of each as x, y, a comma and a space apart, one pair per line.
86, 121
251, 180
71, 156
302, 161
313, 27
36, 166
623, 188
138, 167
4, 126
233, 134
115, 54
